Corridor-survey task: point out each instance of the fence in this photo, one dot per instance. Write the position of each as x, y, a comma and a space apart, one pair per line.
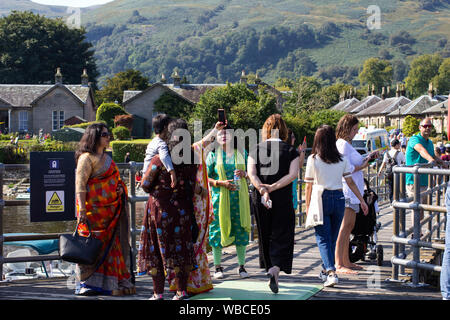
400, 205
437, 185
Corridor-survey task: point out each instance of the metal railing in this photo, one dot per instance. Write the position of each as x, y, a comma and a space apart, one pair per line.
376, 183
133, 167
435, 193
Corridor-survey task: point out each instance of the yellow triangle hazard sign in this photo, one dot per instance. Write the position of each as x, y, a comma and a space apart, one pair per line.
55, 200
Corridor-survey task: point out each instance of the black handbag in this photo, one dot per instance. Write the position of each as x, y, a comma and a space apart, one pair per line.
78, 249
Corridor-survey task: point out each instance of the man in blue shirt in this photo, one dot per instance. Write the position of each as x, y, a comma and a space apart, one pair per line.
420, 149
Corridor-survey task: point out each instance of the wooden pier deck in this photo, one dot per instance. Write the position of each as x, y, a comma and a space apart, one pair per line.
305, 271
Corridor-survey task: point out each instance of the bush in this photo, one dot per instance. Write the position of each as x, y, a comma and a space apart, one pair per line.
410, 126
136, 150
107, 112
121, 133
83, 125
124, 120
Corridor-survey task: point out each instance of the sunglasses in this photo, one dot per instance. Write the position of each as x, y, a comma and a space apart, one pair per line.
426, 126
105, 134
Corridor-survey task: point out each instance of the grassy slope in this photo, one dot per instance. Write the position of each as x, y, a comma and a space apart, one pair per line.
171, 18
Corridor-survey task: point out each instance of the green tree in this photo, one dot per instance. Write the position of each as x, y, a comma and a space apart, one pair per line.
442, 80
32, 47
173, 106
423, 69
121, 81
250, 114
376, 72
410, 126
304, 95
220, 98
329, 96
107, 112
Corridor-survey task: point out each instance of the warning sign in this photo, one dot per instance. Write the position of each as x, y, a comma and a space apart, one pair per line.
54, 201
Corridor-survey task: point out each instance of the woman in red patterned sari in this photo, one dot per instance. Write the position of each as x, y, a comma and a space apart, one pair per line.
102, 201
166, 247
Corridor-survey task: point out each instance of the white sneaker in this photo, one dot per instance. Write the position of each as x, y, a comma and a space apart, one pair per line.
323, 276
243, 273
218, 274
332, 280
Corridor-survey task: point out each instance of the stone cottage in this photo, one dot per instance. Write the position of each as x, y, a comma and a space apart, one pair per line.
27, 108
141, 103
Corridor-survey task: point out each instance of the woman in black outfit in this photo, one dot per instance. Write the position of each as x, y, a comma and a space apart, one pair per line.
272, 166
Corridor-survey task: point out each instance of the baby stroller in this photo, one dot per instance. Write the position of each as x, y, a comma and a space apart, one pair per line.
364, 240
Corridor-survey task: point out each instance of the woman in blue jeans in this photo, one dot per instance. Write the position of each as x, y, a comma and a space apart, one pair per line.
445, 270
326, 167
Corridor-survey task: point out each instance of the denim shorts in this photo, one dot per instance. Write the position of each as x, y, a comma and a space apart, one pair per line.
353, 206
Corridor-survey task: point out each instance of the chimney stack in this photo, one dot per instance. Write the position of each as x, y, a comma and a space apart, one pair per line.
342, 96
85, 78
368, 89
243, 77
58, 76
163, 78
397, 91
383, 93
388, 94
403, 91
430, 90
373, 89
257, 79
176, 79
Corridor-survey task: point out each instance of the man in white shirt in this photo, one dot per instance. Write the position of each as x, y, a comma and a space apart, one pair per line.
391, 158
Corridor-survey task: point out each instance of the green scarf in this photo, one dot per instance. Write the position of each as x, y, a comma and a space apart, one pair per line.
224, 201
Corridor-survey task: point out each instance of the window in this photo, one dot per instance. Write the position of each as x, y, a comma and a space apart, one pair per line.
23, 121
57, 120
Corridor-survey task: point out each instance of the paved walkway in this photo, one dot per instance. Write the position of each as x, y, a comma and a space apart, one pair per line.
368, 284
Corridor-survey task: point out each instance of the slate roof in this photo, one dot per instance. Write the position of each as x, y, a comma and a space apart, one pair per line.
24, 95
347, 103
192, 92
437, 108
416, 106
385, 106
363, 104
189, 92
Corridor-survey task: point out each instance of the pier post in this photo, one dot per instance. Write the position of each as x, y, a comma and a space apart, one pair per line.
2, 204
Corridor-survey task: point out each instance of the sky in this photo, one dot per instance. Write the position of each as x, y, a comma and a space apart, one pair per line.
72, 3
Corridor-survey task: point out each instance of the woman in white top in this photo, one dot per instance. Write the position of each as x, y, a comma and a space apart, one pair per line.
326, 167
346, 130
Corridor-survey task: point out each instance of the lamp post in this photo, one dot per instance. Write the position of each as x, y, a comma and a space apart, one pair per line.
443, 109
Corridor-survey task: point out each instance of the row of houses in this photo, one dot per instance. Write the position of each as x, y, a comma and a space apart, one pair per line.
29, 108
383, 111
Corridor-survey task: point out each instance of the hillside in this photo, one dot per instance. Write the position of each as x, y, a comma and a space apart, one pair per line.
213, 41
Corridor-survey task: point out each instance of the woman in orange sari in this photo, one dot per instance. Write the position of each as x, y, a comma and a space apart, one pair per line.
102, 202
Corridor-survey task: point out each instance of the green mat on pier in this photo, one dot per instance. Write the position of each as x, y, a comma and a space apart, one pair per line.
258, 290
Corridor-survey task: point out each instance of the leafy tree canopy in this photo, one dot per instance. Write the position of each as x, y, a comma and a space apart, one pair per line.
376, 72
423, 69
121, 81
32, 47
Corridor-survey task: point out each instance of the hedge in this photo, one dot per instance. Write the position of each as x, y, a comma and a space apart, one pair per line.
21, 154
83, 125
135, 148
